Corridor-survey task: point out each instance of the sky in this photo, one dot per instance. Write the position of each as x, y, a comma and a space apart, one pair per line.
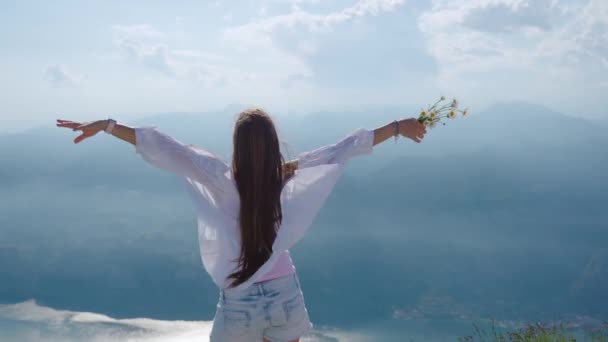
85, 60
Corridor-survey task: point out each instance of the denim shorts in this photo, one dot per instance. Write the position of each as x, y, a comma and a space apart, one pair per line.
272, 309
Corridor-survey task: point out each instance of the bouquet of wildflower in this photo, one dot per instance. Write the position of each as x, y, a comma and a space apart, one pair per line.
439, 110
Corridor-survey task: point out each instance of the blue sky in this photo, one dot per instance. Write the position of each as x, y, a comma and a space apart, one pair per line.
93, 59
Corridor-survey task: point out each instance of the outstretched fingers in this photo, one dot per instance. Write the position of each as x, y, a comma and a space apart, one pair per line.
75, 126
80, 138
67, 124
421, 131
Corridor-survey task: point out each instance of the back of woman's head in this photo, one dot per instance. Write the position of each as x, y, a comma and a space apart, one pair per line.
257, 165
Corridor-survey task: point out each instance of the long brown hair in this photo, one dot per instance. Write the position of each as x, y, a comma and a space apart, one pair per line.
257, 166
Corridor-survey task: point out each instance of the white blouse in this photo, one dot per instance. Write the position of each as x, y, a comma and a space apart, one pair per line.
213, 190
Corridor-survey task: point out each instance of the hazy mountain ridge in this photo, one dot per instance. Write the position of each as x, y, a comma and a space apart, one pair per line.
496, 197
503, 126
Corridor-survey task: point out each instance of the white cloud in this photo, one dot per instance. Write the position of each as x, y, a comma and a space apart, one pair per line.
152, 55
276, 54
259, 30
227, 18
141, 31
297, 1
147, 46
593, 30
485, 34
265, 37
533, 50
60, 76
306, 47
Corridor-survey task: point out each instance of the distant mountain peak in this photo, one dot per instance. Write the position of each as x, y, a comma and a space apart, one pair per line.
521, 108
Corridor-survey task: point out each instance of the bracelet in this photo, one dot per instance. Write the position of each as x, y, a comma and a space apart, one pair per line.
110, 127
396, 130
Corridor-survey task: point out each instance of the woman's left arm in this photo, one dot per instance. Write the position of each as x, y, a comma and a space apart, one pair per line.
159, 150
360, 142
409, 128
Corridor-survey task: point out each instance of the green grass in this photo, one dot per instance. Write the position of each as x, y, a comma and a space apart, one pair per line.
536, 333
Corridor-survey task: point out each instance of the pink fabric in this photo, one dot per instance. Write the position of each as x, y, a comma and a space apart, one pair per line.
283, 267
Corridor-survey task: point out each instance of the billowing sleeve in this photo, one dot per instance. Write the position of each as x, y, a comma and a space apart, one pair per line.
359, 142
305, 193
169, 154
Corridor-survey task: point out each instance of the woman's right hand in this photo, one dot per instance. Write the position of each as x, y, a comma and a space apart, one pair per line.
88, 129
411, 128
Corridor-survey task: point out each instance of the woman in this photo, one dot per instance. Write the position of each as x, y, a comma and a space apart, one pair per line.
251, 212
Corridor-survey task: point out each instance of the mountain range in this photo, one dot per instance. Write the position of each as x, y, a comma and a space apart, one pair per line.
500, 214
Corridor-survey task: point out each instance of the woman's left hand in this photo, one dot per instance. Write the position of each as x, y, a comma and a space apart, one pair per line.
411, 128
